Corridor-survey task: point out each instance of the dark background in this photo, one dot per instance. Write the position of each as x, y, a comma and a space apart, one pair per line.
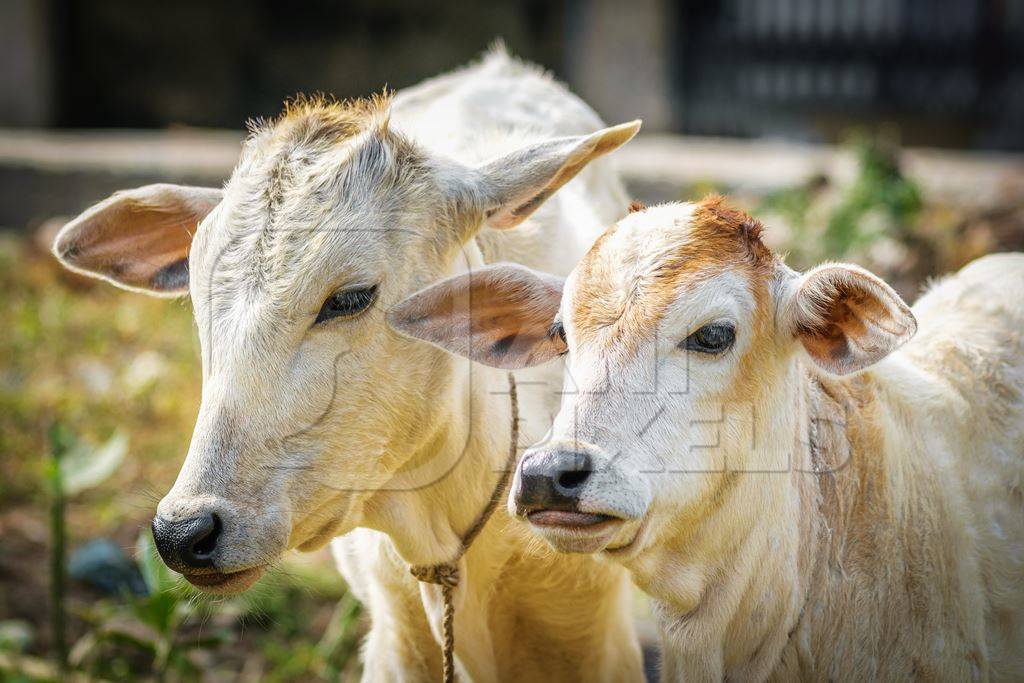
947, 73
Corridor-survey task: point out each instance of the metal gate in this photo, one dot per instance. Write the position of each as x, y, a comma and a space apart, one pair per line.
946, 72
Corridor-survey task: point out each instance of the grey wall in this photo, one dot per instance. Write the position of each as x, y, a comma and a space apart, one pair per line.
25, 63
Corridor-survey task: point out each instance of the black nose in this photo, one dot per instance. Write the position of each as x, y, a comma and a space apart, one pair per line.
552, 480
189, 543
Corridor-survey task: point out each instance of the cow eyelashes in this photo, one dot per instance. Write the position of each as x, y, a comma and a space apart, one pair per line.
346, 304
557, 331
711, 339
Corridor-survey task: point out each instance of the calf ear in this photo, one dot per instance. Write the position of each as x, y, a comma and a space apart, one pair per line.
500, 316
516, 184
138, 239
847, 319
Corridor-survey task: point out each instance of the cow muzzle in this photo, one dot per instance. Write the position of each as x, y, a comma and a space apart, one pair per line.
216, 546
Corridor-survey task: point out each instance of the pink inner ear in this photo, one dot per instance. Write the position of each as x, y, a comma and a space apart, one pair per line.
158, 241
511, 313
500, 315
854, 326
139, 238
509, 327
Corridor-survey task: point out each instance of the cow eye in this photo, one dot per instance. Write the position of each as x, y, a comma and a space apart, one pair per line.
713, 338
557, 331
346, 304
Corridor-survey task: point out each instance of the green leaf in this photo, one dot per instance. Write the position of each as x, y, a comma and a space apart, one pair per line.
84, 467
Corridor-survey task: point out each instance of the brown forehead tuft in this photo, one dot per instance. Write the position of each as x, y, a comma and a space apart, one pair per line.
714, 219
635, 206
319, 118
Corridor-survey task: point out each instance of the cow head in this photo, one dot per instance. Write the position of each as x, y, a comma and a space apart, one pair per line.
681, 330
310, 402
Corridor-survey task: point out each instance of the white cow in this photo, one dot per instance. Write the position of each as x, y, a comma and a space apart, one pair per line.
318, 421
802, 498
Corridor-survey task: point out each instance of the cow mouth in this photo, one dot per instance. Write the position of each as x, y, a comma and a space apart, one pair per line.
631, 548
567, 519
225, 583
573, 531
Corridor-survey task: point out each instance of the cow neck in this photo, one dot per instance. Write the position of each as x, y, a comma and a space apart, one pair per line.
450, 466
698, 549
446, 574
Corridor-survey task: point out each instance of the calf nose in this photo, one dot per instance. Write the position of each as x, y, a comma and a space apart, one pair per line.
189, 543
552, 480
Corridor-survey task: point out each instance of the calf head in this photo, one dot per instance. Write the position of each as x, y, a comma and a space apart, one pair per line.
310, 402
679, 327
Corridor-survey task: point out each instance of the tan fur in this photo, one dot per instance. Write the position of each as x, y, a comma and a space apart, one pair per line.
320, 117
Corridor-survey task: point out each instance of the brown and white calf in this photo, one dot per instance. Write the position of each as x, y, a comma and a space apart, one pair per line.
319, 421
805, 488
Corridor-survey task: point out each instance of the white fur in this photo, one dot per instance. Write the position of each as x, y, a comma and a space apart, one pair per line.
350, 430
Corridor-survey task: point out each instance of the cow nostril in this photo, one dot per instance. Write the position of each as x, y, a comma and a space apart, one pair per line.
203, 547
572, 480
189, 543
552, 480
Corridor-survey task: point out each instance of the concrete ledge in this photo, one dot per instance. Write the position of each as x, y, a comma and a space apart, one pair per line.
45, 173
50, 173
186, 151
759, 166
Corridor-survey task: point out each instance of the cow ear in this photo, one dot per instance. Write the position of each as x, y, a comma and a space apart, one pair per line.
847, 319
500, 316
138, 239
514, 185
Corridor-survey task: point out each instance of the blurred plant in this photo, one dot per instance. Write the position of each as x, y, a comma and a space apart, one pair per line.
295, 656
794, 205
880, 187
147, 626
84, 466
340, 640
60, 445
827, 222
171, 634
73, 467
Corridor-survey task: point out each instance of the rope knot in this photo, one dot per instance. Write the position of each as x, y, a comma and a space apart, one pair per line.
446, 574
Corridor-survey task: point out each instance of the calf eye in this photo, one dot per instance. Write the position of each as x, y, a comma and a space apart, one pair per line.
713, 338
557, 331
346, 304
